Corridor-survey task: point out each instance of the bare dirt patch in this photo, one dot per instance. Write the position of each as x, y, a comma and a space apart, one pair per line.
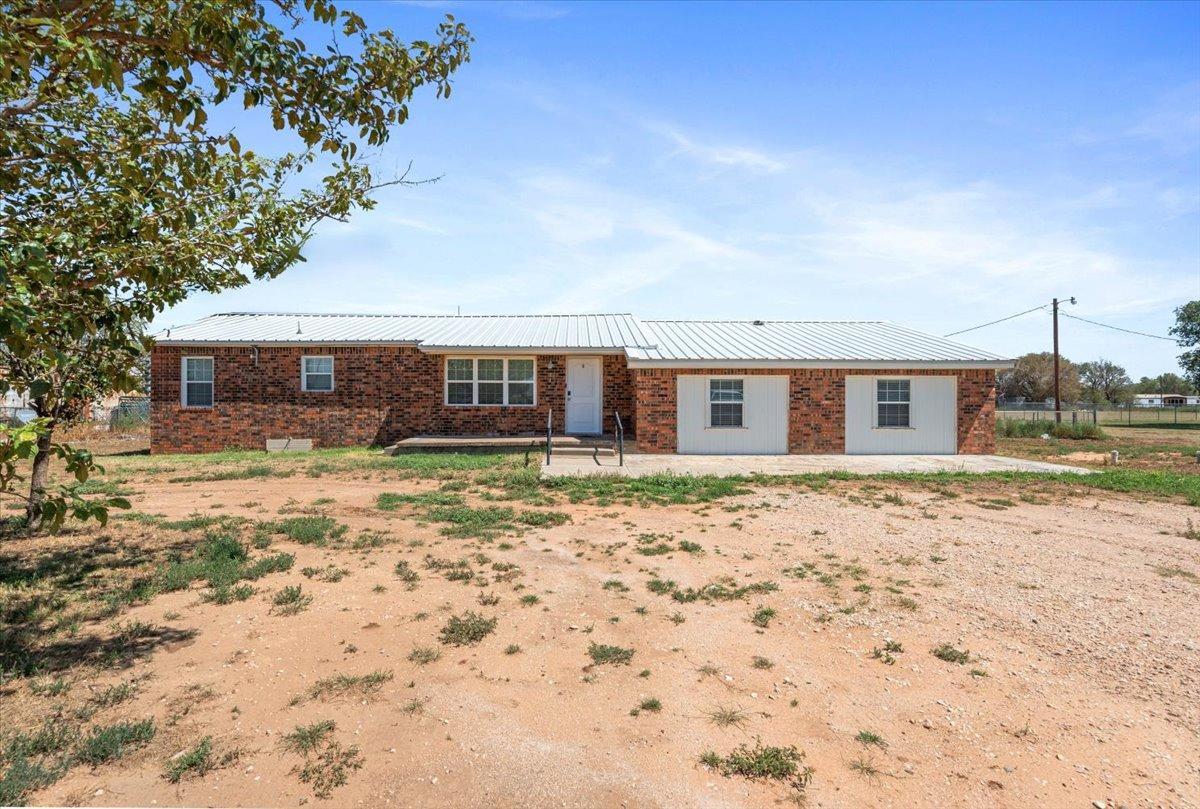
628, 642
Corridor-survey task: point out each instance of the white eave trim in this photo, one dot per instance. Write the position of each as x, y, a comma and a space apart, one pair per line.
280, 343
948, 365
514, 350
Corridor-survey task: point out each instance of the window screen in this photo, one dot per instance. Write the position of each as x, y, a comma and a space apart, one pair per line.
197, 381
490, 381
893, 400
317, 374
725, 402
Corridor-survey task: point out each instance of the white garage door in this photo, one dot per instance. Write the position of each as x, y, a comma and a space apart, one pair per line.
732, 415
896, 415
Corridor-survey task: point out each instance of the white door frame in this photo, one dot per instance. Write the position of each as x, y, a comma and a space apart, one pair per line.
596, 426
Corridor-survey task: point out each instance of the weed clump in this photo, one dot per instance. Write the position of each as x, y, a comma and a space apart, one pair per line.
784, 764
467, 629
602, 654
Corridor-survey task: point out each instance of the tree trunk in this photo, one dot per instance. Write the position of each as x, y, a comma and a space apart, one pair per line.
38, 479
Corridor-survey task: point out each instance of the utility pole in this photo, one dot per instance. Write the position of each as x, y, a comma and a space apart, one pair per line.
1057, 400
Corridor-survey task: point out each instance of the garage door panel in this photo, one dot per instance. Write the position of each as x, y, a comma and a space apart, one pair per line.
764, 418
933, 413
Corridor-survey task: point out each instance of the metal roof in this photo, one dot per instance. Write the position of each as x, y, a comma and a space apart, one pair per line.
611, 332
823, 341
645, 342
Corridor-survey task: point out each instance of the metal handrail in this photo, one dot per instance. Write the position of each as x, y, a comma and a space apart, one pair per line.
620, 438
549, 424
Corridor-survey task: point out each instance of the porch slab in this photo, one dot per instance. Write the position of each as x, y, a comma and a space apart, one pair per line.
452, 443
637, 465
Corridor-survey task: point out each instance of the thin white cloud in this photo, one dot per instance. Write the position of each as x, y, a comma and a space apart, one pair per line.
726, 156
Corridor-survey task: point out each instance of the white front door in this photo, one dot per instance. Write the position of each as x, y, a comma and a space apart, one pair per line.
583, 395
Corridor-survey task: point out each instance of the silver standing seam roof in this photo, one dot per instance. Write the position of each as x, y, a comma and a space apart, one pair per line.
645, 342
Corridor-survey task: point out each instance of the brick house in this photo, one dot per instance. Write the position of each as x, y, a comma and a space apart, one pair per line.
715, 387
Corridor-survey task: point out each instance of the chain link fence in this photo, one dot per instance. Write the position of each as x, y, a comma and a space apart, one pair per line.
1115, 416
129, 413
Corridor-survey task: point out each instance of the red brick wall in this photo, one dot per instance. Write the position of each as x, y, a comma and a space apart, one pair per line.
817, 414
381, 394
619, 395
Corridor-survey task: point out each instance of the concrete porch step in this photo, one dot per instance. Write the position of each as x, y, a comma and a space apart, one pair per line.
577, 451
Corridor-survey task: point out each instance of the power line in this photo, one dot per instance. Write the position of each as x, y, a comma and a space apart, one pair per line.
994, 322
1117, 328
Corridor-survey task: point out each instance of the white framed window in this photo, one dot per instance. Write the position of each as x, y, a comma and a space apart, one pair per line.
196, 382
726, 399
491, 381
893, 400
316, 374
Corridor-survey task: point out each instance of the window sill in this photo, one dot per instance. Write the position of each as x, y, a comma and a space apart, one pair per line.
517, 406
711, 427
895, 429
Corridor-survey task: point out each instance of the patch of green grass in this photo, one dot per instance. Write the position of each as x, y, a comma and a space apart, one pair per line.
341, 685
235, 473
762, 617
326, 763
652, 489
512, 649
307, 738
864, 766
760, 662
869, 738
1177, 572
651, 704
465, 521
390, 501
540, 519
723, 589
725, 717
290, 600
114, 741
423, 655
196, 761
784, 764
950, 654
406, 574
1020, 428
309, 529
467, 629
604, 654
32, 761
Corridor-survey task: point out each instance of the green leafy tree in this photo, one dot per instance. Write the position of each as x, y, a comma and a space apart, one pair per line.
1104, 382
118, 198
1187, 332
1032, 379
1164, 383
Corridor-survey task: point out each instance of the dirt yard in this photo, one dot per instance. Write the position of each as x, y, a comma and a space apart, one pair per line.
631, 637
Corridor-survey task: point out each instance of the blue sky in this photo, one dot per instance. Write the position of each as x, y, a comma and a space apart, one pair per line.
938, 165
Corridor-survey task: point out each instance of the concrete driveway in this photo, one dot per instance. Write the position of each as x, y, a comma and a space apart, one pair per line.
639, 465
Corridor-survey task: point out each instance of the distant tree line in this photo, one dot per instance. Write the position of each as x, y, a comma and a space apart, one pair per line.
1096, 383
1102, 382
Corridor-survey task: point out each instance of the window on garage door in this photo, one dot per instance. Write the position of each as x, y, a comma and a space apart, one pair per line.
725, 402
893, 398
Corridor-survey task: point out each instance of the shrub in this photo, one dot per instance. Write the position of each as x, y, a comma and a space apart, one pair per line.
1021, 428
467, 629
197, 761
772, 763
602, 653
112, 742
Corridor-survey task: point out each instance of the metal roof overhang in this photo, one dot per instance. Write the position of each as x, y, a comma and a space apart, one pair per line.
948, 365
